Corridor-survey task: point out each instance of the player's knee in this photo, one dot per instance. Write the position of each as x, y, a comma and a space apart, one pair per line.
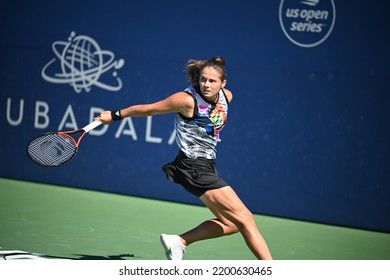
233, 229
245, 220
230, 227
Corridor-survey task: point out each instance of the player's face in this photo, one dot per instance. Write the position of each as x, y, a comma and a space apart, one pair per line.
210, 83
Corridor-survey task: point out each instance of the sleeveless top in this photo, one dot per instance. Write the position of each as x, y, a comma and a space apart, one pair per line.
197, 137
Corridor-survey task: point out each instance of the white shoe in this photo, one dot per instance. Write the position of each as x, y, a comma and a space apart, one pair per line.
173, 247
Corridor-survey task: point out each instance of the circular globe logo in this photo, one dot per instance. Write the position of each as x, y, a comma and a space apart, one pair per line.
307, 23
82, 56
82, 63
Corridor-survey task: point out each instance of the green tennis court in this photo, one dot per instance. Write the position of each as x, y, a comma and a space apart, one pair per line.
61, 222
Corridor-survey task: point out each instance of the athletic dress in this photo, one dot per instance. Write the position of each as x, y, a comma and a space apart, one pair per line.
197, 138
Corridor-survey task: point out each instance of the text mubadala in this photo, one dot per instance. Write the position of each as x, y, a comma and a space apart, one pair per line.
68, 121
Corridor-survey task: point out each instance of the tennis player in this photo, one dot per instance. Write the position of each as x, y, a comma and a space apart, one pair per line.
202, 111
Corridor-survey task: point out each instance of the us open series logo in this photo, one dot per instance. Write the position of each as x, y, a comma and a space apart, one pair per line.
307, 23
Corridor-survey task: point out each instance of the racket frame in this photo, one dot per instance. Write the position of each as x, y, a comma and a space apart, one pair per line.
67, 134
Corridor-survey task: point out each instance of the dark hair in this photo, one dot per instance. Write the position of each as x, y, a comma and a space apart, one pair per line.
194, 67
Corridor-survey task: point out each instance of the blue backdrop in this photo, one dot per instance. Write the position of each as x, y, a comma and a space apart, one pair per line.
308, 131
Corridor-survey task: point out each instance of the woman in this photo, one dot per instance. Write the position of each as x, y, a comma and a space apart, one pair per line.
201, 114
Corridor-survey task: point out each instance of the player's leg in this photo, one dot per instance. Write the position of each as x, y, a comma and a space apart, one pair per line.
174, 245
228, 206
209, 229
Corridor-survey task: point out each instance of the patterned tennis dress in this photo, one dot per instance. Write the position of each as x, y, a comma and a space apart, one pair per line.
197, 137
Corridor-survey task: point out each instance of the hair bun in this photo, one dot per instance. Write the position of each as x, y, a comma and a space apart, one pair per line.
218, 59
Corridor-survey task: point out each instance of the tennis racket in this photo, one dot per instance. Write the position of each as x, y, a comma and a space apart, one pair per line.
57, 148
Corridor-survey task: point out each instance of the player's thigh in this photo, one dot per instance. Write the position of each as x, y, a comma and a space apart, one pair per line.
226, 205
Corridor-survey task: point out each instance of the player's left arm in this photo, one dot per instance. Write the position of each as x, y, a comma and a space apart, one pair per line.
178, 102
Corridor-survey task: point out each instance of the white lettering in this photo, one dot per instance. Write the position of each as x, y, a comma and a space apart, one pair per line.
42, 120
73, 124
148, 137
292, 13
41, 114
307, 14
321, 15
130, 132
306, 27
20, 117
172, 138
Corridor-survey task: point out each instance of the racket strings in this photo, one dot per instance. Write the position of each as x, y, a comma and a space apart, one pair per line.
51, 149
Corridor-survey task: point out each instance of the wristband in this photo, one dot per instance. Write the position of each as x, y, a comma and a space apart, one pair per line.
116, 115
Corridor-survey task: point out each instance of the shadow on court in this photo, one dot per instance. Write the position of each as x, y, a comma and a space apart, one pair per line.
82, 257
111, 257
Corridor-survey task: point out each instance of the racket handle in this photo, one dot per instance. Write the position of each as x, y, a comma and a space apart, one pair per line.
91, 126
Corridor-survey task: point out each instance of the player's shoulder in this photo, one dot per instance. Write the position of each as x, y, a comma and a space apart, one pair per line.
183, 95
228, 94
183, 98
